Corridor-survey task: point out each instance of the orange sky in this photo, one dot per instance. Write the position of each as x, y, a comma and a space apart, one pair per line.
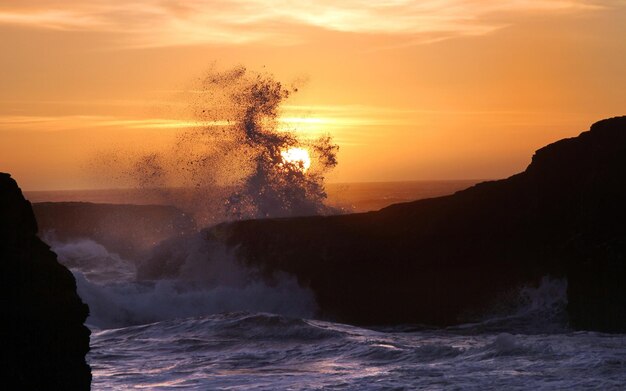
433, 89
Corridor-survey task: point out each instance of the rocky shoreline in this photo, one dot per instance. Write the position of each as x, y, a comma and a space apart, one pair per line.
439, 261
44, 337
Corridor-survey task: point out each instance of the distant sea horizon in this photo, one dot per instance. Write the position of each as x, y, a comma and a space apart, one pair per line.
351, 196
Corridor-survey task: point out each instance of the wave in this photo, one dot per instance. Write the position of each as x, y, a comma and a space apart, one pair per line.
92, 260
239, 161
191, 276
212, 282
265, 351
531, 309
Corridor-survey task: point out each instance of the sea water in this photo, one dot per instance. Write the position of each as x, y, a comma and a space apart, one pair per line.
261, 351
216, 326
233, 333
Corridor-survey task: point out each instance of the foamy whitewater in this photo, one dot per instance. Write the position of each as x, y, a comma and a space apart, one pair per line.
236, 333
215, 325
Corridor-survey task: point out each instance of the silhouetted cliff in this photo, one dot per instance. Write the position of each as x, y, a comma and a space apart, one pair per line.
44, 340
129, 230
437, 260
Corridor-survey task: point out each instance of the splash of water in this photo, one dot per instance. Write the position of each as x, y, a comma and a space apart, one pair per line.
210, 282
234, 159
538, 308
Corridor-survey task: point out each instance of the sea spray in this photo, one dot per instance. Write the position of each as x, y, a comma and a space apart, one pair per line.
233, 162
92, 260
533, 308
238, 162
209, 282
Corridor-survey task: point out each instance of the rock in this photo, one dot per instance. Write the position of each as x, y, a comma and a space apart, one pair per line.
128, 230
44, 339
438, 261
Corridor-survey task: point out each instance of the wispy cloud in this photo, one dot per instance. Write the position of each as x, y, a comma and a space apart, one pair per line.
87, 122
307, 125
149, 23
345, 123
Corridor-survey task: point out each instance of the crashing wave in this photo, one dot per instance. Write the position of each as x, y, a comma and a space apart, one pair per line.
236, 160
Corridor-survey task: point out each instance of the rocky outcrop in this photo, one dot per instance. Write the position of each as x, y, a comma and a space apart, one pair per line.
44, 339
437, 261
128, 230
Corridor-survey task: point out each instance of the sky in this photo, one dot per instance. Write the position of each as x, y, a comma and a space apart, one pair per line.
409, 90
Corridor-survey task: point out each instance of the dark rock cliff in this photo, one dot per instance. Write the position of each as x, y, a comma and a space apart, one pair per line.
44, 340
129, 230
437, 260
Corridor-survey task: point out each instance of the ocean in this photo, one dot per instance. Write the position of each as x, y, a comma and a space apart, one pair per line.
352, 197
217, 327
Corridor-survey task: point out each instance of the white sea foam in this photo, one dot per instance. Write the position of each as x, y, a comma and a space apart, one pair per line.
190, 332
93, 260
210, 282
537, 308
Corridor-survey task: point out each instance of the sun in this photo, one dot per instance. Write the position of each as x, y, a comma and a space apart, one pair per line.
297, 157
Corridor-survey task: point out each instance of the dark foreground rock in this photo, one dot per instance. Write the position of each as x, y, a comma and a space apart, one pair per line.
438, 261
44, 340
128, 230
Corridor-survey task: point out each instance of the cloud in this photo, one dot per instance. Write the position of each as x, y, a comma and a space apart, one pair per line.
85, 122
156, 23
346, 123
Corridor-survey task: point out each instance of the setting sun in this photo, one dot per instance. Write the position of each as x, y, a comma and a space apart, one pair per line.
298, 157
288, 176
